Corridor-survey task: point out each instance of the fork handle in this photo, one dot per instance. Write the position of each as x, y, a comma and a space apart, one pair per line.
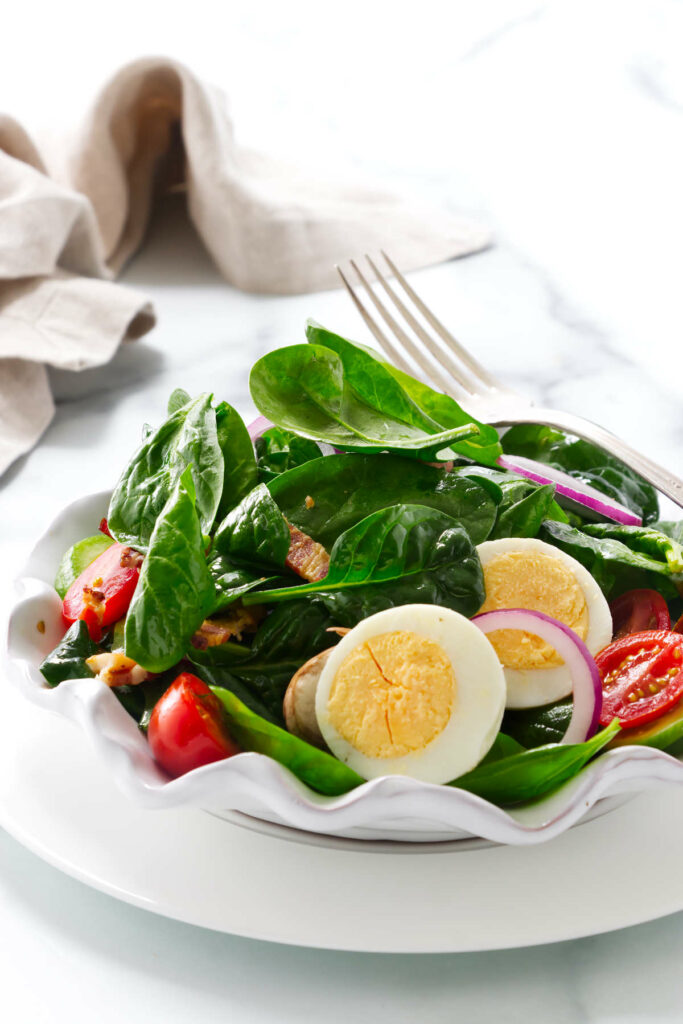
657, 475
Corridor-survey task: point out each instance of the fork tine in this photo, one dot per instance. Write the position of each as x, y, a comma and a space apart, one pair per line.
461, 378
433, 372
472, 364
388, 347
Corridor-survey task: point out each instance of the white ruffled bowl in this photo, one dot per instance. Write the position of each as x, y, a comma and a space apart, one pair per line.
391, 808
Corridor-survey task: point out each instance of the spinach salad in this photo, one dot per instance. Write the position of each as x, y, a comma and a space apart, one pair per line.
368, 581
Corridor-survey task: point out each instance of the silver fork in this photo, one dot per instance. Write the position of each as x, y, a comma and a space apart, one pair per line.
452, 369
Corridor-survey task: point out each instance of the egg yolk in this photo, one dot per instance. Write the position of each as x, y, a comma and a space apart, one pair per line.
540, 583
392, 694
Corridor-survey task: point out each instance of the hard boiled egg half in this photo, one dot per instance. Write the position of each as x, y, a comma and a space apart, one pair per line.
416, 690
528, 573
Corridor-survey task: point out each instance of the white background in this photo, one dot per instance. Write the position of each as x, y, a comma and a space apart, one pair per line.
559, 124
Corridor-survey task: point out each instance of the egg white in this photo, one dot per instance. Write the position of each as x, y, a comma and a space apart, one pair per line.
528, 688
477, 708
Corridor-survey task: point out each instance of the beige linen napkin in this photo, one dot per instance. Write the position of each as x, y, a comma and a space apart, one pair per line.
66, 232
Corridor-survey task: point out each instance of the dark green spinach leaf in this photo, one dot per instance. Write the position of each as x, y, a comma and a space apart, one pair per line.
187, 437
534, 727
647, 540
533, 773
391, 392
260, 694
240, 474
347, 488
390, 546
303, 388
503, 746
175, 591
254, 534
280, 450
232, 582
615, 567
67, 660
290, 635
586, 462
524, 517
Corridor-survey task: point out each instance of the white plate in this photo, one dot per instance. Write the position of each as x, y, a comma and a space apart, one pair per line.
61, 803
390, 808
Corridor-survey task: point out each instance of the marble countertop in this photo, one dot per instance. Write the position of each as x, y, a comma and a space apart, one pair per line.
558, 124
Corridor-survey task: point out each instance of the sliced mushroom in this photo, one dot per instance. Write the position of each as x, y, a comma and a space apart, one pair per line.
299, 702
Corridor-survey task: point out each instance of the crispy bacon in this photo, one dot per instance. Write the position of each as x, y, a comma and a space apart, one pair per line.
238, 620
94, 600
306, 557
131, 559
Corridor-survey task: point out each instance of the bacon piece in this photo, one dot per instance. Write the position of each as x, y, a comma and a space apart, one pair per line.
306, 557
238, 620
94, 599
115, 669
131, 559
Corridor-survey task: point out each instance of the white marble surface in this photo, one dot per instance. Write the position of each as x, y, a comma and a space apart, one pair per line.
557, 123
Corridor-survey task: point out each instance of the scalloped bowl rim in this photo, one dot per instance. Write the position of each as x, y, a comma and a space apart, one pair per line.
388, 808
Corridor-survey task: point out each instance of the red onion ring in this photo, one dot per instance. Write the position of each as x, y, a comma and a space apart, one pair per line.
586, 681
580, 494
258, 427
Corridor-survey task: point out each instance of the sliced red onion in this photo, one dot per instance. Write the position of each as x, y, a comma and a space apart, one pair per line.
579, 494
258, 427
586, 681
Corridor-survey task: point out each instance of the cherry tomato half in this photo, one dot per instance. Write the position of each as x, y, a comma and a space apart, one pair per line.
186, 729
103, 591
642, 677
637, 611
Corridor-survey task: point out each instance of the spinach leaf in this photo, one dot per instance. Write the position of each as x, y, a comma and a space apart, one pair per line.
615, 566
523, 518
671, 529
586, 462
520, 505
533, 773
175, 591
177, 400
139, 700
347, 488
647, 540
390, 546
67, 660
279, 450
533, 727
259, 695
240, 474
254, 533
458, 586
318, 769
503, 746
290, 635
303, 388
232, 582
77, 558
392, 392
188, 436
